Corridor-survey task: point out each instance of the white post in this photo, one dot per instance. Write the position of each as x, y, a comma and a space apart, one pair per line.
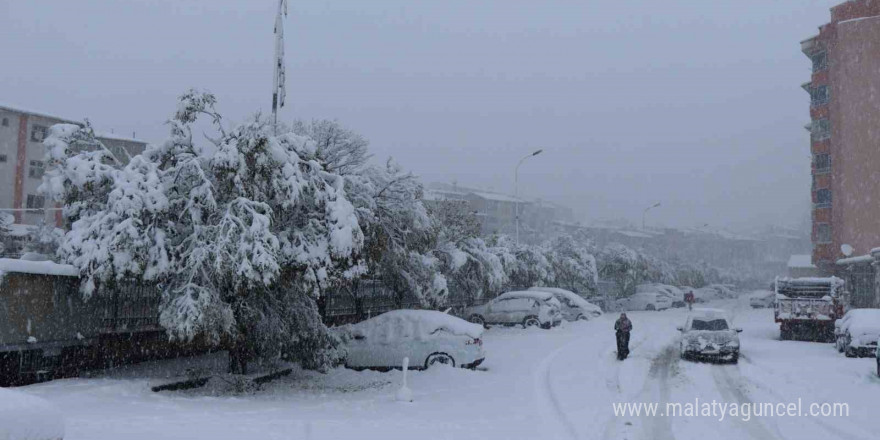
516, 190
278, 91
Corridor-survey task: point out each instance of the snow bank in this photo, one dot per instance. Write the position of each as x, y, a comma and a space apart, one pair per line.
426, 321
27, 417
37, 267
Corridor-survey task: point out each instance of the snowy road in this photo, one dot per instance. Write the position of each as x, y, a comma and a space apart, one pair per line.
557, 384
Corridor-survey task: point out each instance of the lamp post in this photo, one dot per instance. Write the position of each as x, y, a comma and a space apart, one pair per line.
516, 189
645, 213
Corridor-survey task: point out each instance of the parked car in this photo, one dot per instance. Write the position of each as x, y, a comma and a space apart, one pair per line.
574, 307
426, 337
707, 333
675, 295
526, 308
25, 416
856, 334
762, 299
645, 301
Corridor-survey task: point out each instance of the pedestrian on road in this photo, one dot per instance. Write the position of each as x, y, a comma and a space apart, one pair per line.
622, 327
690, 299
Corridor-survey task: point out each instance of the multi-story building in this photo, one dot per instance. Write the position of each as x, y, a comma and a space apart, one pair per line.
845, 132
22, 163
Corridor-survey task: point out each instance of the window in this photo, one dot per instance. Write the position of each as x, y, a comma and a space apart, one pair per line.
822, 162
35, 202
38, 133
5, 122
823, 233
709, 325
820, 129
36, 169
2, 158
819, 95
823, 198
820, 61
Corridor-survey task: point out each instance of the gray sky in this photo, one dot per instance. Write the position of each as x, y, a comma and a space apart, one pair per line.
694, 104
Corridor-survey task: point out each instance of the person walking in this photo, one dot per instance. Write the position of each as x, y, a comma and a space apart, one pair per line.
690, 299
622, 327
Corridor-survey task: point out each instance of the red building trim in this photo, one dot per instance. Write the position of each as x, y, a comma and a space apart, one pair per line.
21, 160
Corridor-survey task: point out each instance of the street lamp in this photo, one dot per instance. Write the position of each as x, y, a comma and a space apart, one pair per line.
645, 213
516, 188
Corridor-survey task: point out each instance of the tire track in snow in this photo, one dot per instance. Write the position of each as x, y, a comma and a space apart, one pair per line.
730, 389
548, 404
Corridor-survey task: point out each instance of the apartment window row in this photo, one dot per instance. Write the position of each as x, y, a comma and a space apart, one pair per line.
820, 61
819, 95
822, 162
820, 129
823, 233
823, 198
36, 169
35, 202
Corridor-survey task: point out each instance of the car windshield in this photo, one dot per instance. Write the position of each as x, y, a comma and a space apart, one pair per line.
709, 324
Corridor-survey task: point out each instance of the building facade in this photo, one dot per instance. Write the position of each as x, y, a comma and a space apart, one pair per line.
22, 163
845, 132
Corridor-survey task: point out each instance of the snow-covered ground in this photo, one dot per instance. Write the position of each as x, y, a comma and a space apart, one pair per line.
559, 383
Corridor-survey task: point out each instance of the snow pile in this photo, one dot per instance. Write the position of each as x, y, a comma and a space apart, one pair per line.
27, 417
419, 322
864, 324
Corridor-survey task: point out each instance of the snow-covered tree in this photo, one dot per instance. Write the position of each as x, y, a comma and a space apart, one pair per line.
242, 231
43, 240
574, 266
342, 150
399, 233
526, 265
6, 222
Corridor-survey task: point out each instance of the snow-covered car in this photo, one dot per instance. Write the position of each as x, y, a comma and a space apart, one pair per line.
675, 295
574, 307
859, 332
426, 337
27, 417
526, 308
762, 299
707, 334
645, 301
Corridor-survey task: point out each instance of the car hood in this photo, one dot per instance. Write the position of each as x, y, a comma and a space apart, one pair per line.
706, 337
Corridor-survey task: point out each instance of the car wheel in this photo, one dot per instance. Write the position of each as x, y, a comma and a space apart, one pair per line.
650, 307
531, 321
439, 359
735, 358
850, 352
581, 318
477, 319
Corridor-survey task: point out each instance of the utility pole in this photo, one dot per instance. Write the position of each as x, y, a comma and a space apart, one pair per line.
645, 213
278, 90
516, 189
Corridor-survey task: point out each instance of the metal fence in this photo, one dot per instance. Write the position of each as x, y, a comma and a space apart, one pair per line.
859, 278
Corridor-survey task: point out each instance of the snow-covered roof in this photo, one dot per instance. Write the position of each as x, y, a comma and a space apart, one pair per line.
116, 137
707, 313
47, 115
37, 267
855, 260
497, 197
533, 294
427, 321
804, 261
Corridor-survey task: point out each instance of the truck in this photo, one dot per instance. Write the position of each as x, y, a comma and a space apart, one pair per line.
808, 307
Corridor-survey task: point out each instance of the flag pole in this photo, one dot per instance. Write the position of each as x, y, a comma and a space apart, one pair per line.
278, 90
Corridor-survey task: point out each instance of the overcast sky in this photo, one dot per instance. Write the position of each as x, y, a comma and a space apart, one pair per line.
695, 104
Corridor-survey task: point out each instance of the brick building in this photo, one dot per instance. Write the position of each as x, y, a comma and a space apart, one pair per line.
845, 132
22, 162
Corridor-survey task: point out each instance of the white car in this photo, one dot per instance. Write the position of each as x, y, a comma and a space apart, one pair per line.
707, 333
858, 332
528, 308
574, 308
762, 299
25, 416
426, 337
675, 295
645, 301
